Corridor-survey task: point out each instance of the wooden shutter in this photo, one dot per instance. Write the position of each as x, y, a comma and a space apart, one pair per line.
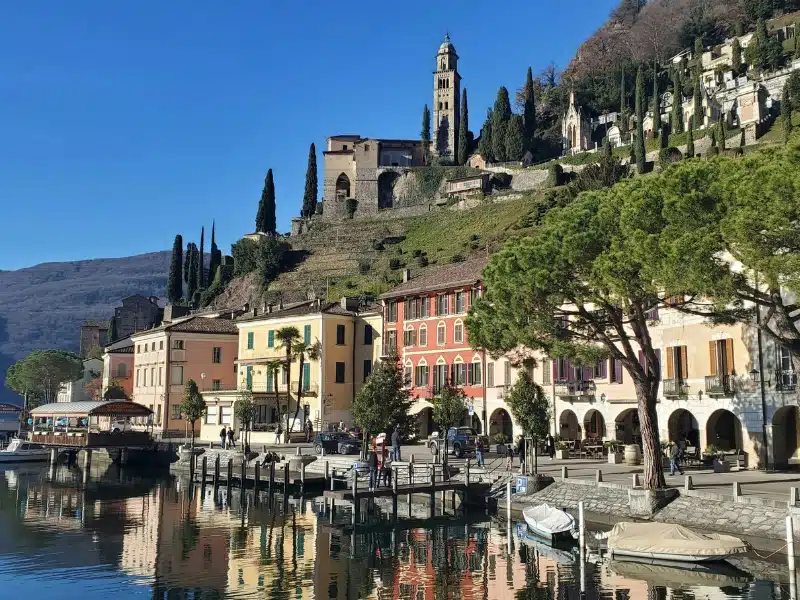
555, 370
670, 360
618, 369
469, 373
712, 357
684, 364
729, 355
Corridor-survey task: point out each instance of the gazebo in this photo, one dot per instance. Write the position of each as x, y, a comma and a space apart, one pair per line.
92, 424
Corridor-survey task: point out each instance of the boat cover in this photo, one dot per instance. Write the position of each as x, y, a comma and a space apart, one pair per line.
665, 538
547, 519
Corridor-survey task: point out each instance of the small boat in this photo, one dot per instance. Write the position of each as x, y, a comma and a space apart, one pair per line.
549, 523
667, 542
544, 550
22, 451
675, 575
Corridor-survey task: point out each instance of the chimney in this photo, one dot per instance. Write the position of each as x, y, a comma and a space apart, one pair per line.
406, 275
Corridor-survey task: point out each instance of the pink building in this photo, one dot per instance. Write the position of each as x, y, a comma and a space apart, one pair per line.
118, 365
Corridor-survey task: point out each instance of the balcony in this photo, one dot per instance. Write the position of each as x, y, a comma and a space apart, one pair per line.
785, 381
574, 389
719, 385
675, 388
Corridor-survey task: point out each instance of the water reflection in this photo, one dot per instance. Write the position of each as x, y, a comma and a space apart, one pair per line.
122, 535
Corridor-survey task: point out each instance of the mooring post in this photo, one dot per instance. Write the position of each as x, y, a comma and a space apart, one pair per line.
635, 480
299, 452
285, 479
257, 477
581, 528
203, 470
598, 477
508, 502
688, 484
737, 491
53, 456
302, 474
192, 458
790, 542
230, 473
216, 472
793, 496
466, 478
564, 473
395, 477
327, 471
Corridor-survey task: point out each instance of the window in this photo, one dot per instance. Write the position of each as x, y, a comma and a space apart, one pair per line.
407, 372
340, 335
490, 374
439, 377
476, 373
615, 369
440, 106
368, 335
248, 378
177, 344
677, 364
216, 355
270, 381
409, 337
545, 371
225, 414
145, 347
366, 147
642, 361
285, 376
152, 376
138, 349
459, 374
306, 377
270, 338
307, 334
442, 304
158, 415
367, 369
344, 146
423, 335
391, 310
474, 294
459, 302
137, 377
441, 334
216, 385
507, 373
160, 375
445, 105
458, 333
161, 345
721, 357
144, 377
176, 412
177, 375
391, 341
250, 338
122, 370
212, 412
339, 372
786, 379
421, 376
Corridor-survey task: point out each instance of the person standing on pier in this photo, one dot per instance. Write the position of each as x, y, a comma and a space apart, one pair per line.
231, 443
372, 463
479, 452
278, 433
550, 445
395, 445
223, 435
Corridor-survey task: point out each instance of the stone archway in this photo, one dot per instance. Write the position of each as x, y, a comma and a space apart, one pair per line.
786, 436
342, 187
594, 425
724, 430
500, 422
682, 425
386, 183
626, 427
568, 426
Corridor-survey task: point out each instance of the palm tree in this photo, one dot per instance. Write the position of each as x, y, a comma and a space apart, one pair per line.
288, 338
301, 350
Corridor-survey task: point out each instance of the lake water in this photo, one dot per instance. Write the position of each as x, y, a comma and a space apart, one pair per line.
123, 536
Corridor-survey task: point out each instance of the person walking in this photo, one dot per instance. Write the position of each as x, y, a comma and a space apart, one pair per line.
372, 463
395, 445
521, 452
509, 457
223, 436
278, 433
674, 457
550, 445
341, 425
309, 431
479, 452
231, 443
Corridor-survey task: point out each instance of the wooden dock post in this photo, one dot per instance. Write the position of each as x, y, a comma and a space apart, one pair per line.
396, 476
192, 458
257, 477
203, 470
302, 474
216, 472
271, 476
53, 456
285, 479
230, 474
243, 478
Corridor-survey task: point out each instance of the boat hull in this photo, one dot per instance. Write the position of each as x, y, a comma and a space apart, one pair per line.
17, 458
672, 558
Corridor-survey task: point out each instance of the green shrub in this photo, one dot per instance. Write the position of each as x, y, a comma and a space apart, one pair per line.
713, 151
555, 175
457, 258
670, 155
377, 245
416, 253
351, 205
422, 260
318, 210
364, 266
395, 263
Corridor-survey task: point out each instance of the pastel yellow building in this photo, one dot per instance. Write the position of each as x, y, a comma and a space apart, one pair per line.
340, 343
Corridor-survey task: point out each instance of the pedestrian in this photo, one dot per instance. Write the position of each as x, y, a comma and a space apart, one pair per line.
479, 452
278, 433
521, 452
384, 466
509, 457
223, 436
341, 425
372, 463
309, 431
231, 443
674, 456
396, 445
550, 445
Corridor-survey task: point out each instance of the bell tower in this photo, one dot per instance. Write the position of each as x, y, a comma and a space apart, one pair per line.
446, 100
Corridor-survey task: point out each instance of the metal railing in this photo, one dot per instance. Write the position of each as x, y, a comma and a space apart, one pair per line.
785, 381
719, 385
675, 388
574, 389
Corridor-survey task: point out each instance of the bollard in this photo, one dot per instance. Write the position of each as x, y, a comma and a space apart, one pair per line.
688, 485
230, 473
581, 527
302, 474
790, 542
635, 480
332, 511
564, 473
243, 480
87, 458
737, 491
327, 471
323, 452
216, 472
299, 451
793, 496
333, 481
598, 477
411, 458
257, 477
395, 477
466, 479
433, 475
508, 502
53, 456
286, 478
271, 476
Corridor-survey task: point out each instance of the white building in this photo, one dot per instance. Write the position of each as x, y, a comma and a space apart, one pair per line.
75, 391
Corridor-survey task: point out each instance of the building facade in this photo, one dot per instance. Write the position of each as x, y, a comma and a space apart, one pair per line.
576, 129
118, 365
346, 337
137, 313
446, 100
75, 391
94, 334
202, 348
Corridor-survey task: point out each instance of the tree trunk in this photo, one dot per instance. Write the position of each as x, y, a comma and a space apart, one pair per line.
299, 387
289, 425
653, 477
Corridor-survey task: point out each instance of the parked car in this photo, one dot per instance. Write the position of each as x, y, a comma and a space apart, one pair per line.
460, 441
120, 425
336, 442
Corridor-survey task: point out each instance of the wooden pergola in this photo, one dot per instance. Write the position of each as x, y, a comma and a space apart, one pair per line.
57, 431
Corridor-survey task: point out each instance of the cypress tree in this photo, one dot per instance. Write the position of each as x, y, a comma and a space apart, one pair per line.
310, 193
698, 50
187, 262
201, 276
736, 56
698, 103
192, 285
463, 130
260, 214
500, 117
515, 138
797, 40
425, 134
174, 283
112, 330
485, 143
786, 112
676, 118
216, 255
623, 100
721, 127
640, 147
690, 141
268, 224
529, 111
656, 103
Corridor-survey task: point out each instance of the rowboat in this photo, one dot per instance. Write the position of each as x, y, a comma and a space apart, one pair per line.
22, 451
560, 556
549, 523
667, 542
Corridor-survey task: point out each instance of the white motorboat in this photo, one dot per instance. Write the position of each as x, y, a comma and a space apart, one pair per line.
23, 451
667, 542
543, 549
549, 523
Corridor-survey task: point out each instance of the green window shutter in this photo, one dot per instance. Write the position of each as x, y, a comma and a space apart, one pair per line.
249, 378
306, 377
269, 382
271, 338
307, 334
250, 340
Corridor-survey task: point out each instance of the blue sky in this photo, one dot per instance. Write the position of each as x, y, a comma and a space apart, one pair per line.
124, 123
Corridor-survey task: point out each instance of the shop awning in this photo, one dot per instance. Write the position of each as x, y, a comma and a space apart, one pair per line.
121, 408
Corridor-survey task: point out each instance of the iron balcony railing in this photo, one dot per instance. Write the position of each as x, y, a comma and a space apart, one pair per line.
675, 388
719, 385
574, 389
785, 381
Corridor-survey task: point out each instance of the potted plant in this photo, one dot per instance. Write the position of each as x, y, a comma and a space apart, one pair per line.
715, 457
562, 450
614, 451
501, 439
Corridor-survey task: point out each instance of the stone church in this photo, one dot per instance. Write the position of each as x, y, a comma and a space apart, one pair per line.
576, 129
371, 172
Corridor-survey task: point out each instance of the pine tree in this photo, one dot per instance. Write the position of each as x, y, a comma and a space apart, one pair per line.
310, 193
690, 140
463, 130
736, 56
529, 112
425, 134
268, 224
641, 158
174, 283
485, 143
216, 256
676, 118
201, 276
515, 138
786, 112
721, 128
698, 104
500, 117
656, 103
